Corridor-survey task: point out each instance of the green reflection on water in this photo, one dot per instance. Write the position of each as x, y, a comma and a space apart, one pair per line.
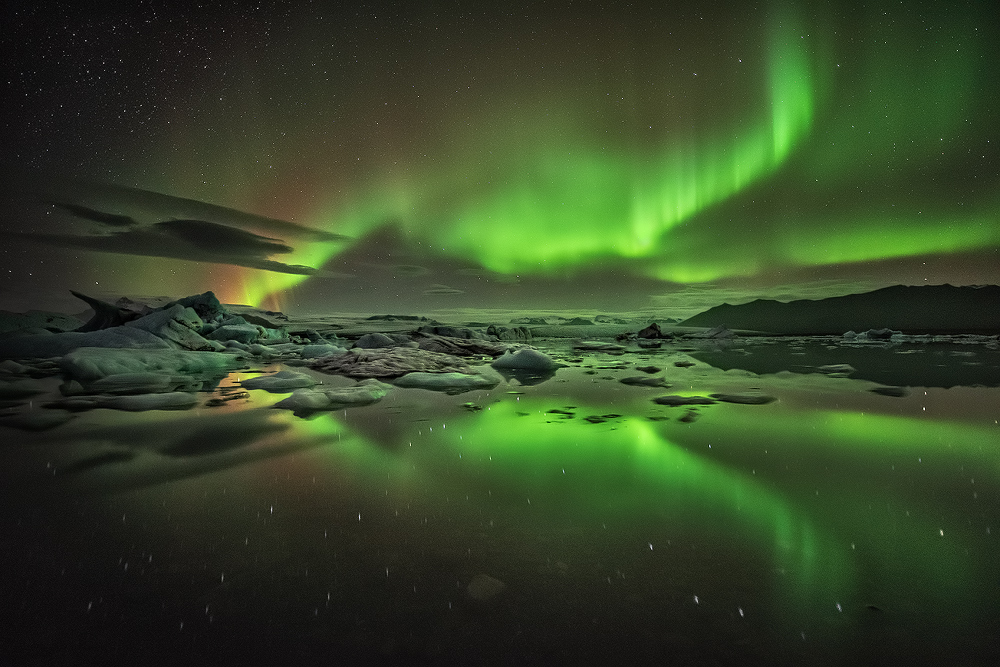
837, 506
543, 469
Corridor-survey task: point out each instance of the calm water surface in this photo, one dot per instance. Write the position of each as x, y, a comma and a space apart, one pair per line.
831, 526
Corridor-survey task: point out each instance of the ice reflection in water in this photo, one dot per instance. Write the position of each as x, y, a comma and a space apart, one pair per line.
832, 520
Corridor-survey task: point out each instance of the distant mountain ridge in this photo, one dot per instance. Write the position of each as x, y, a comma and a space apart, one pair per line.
911, 309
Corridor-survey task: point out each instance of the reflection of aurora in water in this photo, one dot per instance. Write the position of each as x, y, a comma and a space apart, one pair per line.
818, 530
860, 521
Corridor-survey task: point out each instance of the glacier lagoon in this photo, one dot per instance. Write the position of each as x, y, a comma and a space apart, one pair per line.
561, 517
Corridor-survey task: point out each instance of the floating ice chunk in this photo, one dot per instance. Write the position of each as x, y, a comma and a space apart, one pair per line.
280, 381
175, 400
89, 364
334, 398
526, 359
452, 383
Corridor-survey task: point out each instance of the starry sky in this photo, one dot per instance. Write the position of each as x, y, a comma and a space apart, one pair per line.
409, 157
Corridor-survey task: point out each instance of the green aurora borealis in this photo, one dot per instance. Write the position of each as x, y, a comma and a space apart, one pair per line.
514, 155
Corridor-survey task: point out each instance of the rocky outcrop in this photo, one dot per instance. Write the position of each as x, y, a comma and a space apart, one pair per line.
516, 334
389, 363
461, 347
652, 331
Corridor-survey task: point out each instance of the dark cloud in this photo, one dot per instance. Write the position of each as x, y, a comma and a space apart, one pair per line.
93, 200
94, 215
193, 240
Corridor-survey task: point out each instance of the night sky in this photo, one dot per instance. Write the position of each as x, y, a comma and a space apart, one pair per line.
426, 156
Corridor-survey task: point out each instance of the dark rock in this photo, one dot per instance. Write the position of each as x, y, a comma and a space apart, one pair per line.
520, 334
128, 305
389, 362
649, 344
745, 399
896, 392
652, 331
106, 315
578, 321
689, 417
529, 320
461, 347
453, 332
644, 381
877, 334
674, 400
395, 318
206, 305
648, 369
600, 419
683, 364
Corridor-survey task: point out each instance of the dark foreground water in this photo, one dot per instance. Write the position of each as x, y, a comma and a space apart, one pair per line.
569, 521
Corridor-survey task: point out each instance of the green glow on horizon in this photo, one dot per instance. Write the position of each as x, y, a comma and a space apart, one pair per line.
888, 238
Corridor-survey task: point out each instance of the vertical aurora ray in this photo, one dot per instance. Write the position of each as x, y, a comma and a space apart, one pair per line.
536, 192
573, 204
